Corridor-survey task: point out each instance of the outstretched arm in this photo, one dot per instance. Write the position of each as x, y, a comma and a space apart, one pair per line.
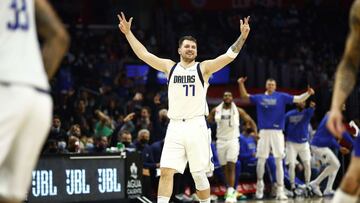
247, 118
56, 39
210, 66
160, 64
211, 115
303, 97
243, 93
347, 71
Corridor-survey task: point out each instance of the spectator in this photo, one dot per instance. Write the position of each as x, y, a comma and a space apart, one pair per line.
103, 126
135, 104
81, 116
144, 122
126, 138
73, 144
101, 143
160, 126
148, 160
56, 132
51, 147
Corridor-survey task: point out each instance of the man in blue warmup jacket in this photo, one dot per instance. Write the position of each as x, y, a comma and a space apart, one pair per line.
321, 146
297, 139
270, 108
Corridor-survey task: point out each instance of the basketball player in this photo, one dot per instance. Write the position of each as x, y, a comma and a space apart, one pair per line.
26, 105
297, 140
344, 83
321, 145
226, 116
187, 137
270, 109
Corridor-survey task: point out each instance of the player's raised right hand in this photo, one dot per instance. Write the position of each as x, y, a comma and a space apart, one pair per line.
124, 25
242, 80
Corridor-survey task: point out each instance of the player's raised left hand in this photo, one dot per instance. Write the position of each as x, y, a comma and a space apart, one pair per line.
310, 91
245, 27
124, 25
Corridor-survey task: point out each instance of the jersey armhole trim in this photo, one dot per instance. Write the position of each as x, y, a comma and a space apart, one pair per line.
200, 74
171, 72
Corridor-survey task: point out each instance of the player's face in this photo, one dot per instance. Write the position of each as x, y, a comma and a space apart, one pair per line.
270, 86
188, 50
227, 98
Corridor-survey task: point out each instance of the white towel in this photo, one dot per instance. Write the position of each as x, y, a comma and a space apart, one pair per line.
234, 115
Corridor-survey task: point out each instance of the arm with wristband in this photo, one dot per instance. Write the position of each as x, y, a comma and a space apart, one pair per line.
210, 66
303, 97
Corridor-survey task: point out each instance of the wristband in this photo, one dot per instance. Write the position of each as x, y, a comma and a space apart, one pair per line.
230, 53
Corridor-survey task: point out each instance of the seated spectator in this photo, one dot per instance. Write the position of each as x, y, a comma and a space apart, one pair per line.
51, 147
126, 138
101, 143
56, 132
73, 145
89, 145
75, 131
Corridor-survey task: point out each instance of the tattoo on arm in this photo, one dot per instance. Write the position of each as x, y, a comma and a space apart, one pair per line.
349, 66
236, 47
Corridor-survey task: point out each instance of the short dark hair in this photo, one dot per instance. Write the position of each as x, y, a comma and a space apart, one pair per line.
187, 37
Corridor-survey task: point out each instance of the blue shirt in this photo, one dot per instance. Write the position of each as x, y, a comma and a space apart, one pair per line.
270, 109
156, 149
247, 147
323, 137
296, 125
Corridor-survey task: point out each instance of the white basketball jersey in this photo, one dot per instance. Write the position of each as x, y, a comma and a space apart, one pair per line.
187, 92
20, 58
226, 128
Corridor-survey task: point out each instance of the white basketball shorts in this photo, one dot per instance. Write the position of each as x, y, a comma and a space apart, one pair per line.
228, 150
25, 121
294, 149
187, 141
270, 141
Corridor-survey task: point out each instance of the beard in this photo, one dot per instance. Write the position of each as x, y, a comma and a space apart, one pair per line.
187, 58
227, 104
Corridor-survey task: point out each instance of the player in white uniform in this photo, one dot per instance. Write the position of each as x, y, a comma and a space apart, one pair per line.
26, 105
227, 117
344, 83
187, 138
